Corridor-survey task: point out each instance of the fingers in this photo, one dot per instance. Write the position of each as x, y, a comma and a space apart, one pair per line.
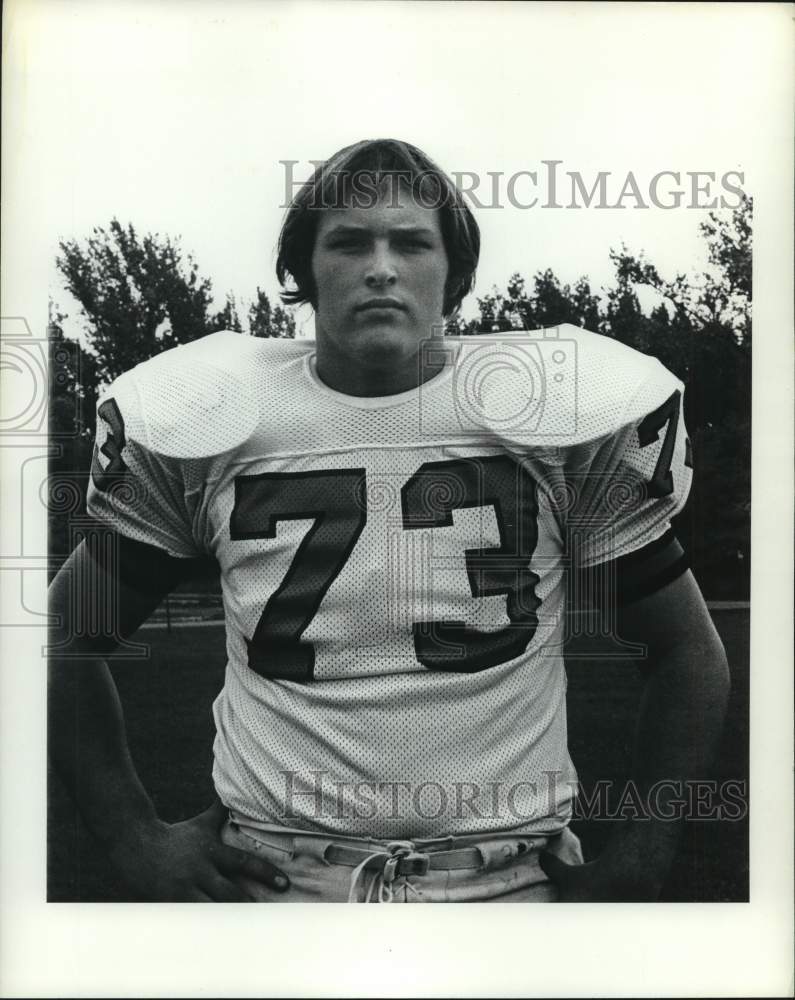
209, 887
232, 862
221, 890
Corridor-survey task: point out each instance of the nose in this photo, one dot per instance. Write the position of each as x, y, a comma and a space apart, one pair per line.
381, 271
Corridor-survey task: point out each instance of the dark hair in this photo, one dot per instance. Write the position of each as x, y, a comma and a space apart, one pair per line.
356, 175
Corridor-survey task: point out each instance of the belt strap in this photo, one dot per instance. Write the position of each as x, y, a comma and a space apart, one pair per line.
409, 862
405, 857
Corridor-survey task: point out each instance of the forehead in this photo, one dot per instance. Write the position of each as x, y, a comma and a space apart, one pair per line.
392, 210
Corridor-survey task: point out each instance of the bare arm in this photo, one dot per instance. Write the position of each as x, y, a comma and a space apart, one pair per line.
679, 726
87, 740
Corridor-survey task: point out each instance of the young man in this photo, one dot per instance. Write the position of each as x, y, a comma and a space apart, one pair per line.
396, 516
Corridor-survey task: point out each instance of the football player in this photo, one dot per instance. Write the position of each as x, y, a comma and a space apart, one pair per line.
398, 517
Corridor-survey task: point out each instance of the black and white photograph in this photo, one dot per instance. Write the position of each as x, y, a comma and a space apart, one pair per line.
397, 422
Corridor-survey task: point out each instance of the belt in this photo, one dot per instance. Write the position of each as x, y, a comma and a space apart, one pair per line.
403, 858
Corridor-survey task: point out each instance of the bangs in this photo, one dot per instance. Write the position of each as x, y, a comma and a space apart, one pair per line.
363, 175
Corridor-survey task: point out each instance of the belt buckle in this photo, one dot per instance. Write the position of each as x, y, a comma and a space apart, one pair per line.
414, 863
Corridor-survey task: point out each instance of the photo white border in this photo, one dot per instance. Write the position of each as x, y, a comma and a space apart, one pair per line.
141, 950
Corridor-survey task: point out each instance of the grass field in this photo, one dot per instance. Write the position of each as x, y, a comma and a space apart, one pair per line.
167, 702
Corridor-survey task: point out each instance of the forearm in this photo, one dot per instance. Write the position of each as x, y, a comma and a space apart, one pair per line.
88, 749
679, 728
87, 738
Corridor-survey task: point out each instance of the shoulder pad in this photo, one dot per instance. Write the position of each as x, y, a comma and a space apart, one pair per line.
193, 401
563, 385
616, 385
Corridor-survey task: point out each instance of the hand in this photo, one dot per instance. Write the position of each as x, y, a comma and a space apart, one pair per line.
598, 881
188, 863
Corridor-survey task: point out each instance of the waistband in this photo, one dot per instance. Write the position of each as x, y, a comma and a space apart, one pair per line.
391, 859
276, 831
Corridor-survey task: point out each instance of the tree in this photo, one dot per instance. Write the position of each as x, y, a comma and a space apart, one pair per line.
71, 415
227, 318
549, 304
730, 243
138, 295
457, 326
264, 321
717, 301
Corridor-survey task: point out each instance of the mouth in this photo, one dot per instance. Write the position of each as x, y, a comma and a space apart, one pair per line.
385, 303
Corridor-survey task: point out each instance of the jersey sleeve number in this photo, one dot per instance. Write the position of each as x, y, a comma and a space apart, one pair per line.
335, 501
112, 448
661, 483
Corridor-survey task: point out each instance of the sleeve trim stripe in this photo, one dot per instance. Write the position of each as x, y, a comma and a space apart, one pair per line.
633, 576
654, 583
647, 552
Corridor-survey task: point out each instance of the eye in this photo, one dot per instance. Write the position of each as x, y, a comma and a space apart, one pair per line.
348, 243
414, 244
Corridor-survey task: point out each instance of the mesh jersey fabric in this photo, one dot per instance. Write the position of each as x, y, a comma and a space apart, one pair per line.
393, 568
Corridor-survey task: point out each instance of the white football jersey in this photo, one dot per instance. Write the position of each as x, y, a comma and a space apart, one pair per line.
394, 569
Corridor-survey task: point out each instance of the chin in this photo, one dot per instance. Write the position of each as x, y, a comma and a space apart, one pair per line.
383, 345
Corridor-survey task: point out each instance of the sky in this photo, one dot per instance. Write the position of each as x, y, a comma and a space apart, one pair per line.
176, 117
